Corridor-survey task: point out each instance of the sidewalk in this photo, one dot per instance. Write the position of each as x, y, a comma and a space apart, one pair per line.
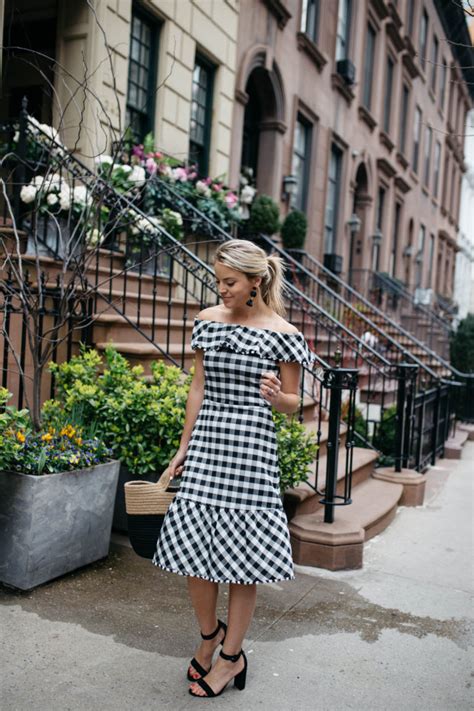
118, 635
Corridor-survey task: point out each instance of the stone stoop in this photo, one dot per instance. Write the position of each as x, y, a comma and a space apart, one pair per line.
453, 446
466, 427
340, 545
413, 483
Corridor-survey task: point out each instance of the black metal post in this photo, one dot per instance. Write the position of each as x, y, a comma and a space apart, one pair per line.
405, 372
20, 169
435, 430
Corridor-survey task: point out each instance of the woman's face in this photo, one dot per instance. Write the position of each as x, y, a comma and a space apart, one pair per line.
233, 286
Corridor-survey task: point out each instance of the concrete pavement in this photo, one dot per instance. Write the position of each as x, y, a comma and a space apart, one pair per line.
397, 633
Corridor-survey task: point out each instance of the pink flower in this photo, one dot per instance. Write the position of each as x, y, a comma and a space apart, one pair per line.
192, 175
158, 154
180, 174
151, 166
208, 181
138, 151
231, 200
217, 187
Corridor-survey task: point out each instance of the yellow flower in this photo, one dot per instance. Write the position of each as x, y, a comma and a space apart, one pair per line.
20, 437
47, 437
78, 441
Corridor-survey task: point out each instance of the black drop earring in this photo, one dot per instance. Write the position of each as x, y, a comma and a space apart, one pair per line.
253, 293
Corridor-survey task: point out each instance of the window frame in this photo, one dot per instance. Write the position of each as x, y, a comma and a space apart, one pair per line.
436, 168
387, 98
346, 41
148, 116
443, 83
428, 141
434, 63
336, 151
405, 108
415, 163
423, 40
308, 125
312, 32
367, 86
203, 163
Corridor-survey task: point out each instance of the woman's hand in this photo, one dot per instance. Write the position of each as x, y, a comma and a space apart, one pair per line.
176, 466
270, 387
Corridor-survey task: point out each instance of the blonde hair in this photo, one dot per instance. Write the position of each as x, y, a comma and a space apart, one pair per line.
248, 258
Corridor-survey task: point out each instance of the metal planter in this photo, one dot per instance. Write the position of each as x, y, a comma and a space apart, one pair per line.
55, 523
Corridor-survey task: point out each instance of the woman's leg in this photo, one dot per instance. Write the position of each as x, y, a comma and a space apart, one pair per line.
203, 594
242, 599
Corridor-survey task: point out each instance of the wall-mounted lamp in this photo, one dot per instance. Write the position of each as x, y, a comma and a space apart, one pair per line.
354, 224
377, 237
290, 184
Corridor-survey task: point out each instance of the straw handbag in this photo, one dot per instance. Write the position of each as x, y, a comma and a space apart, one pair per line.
146, 504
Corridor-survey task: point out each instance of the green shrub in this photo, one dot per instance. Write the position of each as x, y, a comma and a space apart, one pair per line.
140, 421
384, 437
293, 230
264, 216
462, 345
296, 449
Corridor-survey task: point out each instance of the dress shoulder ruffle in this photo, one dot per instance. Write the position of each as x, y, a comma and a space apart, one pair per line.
273, 345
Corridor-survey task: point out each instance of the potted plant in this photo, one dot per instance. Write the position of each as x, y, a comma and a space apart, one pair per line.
293, 230
264, 216
57, 490
141, 420
297, 450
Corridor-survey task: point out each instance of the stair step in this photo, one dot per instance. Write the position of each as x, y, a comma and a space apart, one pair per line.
339, 545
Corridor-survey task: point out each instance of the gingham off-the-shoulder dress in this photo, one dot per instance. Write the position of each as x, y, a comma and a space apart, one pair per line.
227, 523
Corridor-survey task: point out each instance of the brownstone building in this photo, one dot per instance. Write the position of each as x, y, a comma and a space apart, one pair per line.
364, 103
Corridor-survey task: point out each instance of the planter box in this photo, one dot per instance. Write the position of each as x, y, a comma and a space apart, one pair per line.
120, 521
55, 523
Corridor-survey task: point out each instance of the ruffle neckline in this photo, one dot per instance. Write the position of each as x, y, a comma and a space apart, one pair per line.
263, 342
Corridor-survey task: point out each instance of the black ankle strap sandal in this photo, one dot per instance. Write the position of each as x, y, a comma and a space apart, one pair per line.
239, 679
194, 662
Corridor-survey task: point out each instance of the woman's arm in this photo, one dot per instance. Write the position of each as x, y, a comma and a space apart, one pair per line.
193, 404
285, 397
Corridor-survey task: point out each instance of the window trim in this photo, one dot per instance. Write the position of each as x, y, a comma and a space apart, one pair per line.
387, 105
202, 61
347, 39
309, 131
436, 169
314, 35
367, 88
434, 63
427, 155
402, 134
335, 150
423, 48
154, 24
415, 163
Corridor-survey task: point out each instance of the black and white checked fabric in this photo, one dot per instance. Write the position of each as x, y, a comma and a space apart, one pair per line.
227, 522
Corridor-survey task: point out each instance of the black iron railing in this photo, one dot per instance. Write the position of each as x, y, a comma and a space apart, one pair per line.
163, 276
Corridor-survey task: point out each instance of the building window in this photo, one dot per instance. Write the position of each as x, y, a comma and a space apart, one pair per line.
416, 139
300, 167
431, 260
404, 117
387, 104
428, 140
333, 191
394, 252
141, 75
343, 29
368, 66
423, 38
442, 86
437, 165
379, 225
201, 112
419, 256
310, 18
434, 63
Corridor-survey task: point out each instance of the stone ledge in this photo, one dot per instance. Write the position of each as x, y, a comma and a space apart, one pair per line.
413, 484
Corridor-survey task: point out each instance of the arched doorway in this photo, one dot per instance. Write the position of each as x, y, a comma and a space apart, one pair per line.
358, 254
261, 115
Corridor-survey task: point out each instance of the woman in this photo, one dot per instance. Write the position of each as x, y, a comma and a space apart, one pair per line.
227, 523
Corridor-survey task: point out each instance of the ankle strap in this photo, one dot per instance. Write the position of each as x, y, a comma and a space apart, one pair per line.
230, 657
213, 634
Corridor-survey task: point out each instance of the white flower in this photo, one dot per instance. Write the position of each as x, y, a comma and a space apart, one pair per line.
167, 171
52, 199
137, 176
125, 167
28, 193
94, 237
176, 216
103, 159
34, 123
49, 131
81, 195
247, 195
243, 181
16, 137
65, 199
51, 182
145, 224
203, 188
38, 181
